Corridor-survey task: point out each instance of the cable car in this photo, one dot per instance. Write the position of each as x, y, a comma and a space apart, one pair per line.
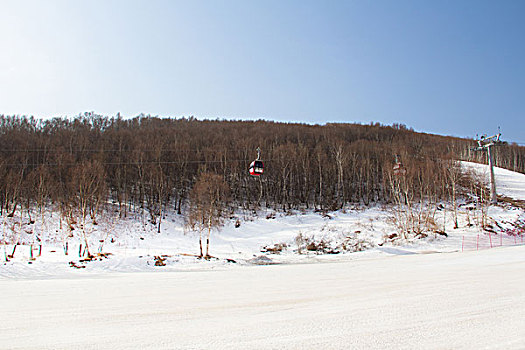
257, 166
398, 168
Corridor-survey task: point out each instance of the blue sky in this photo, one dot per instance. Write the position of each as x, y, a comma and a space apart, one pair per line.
447, 67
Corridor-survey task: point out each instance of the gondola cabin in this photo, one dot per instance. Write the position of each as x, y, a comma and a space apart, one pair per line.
399, 169
256, 168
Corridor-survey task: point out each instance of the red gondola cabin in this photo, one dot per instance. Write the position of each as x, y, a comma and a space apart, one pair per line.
256, 168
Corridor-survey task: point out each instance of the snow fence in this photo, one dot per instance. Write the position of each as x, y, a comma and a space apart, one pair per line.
491, 240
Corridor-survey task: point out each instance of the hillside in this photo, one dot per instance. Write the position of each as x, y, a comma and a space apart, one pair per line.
397, 295
266, 237
153, 163
98, 193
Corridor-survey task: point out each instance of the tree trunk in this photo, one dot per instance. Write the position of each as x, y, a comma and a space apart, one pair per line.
208, 238
12, 214
14, 250
200, 244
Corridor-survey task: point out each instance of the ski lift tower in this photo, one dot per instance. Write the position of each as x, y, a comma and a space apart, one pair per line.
485, 143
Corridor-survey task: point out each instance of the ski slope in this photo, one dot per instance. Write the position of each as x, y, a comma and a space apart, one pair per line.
508, 183
457, 300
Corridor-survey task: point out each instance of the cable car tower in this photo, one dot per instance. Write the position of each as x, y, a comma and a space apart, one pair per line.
485, 143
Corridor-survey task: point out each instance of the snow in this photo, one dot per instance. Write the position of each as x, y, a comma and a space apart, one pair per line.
421, 292
455, 300
508, 183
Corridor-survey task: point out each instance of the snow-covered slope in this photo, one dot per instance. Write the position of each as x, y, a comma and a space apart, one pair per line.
458, 300
508, 183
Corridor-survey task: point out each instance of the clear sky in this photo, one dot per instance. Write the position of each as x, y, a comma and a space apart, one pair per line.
448, 67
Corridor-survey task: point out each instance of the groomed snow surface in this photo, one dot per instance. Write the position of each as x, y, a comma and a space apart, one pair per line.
508, 183
420, 293
443, 301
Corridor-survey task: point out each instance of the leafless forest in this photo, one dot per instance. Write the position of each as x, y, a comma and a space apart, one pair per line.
80, 164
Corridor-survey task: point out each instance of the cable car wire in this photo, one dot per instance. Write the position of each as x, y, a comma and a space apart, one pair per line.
130, 163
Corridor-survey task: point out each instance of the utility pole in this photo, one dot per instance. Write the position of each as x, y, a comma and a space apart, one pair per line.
486, 143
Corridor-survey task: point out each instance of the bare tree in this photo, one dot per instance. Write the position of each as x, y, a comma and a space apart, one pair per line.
88, 181
340, 157
453, 176
208, 200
